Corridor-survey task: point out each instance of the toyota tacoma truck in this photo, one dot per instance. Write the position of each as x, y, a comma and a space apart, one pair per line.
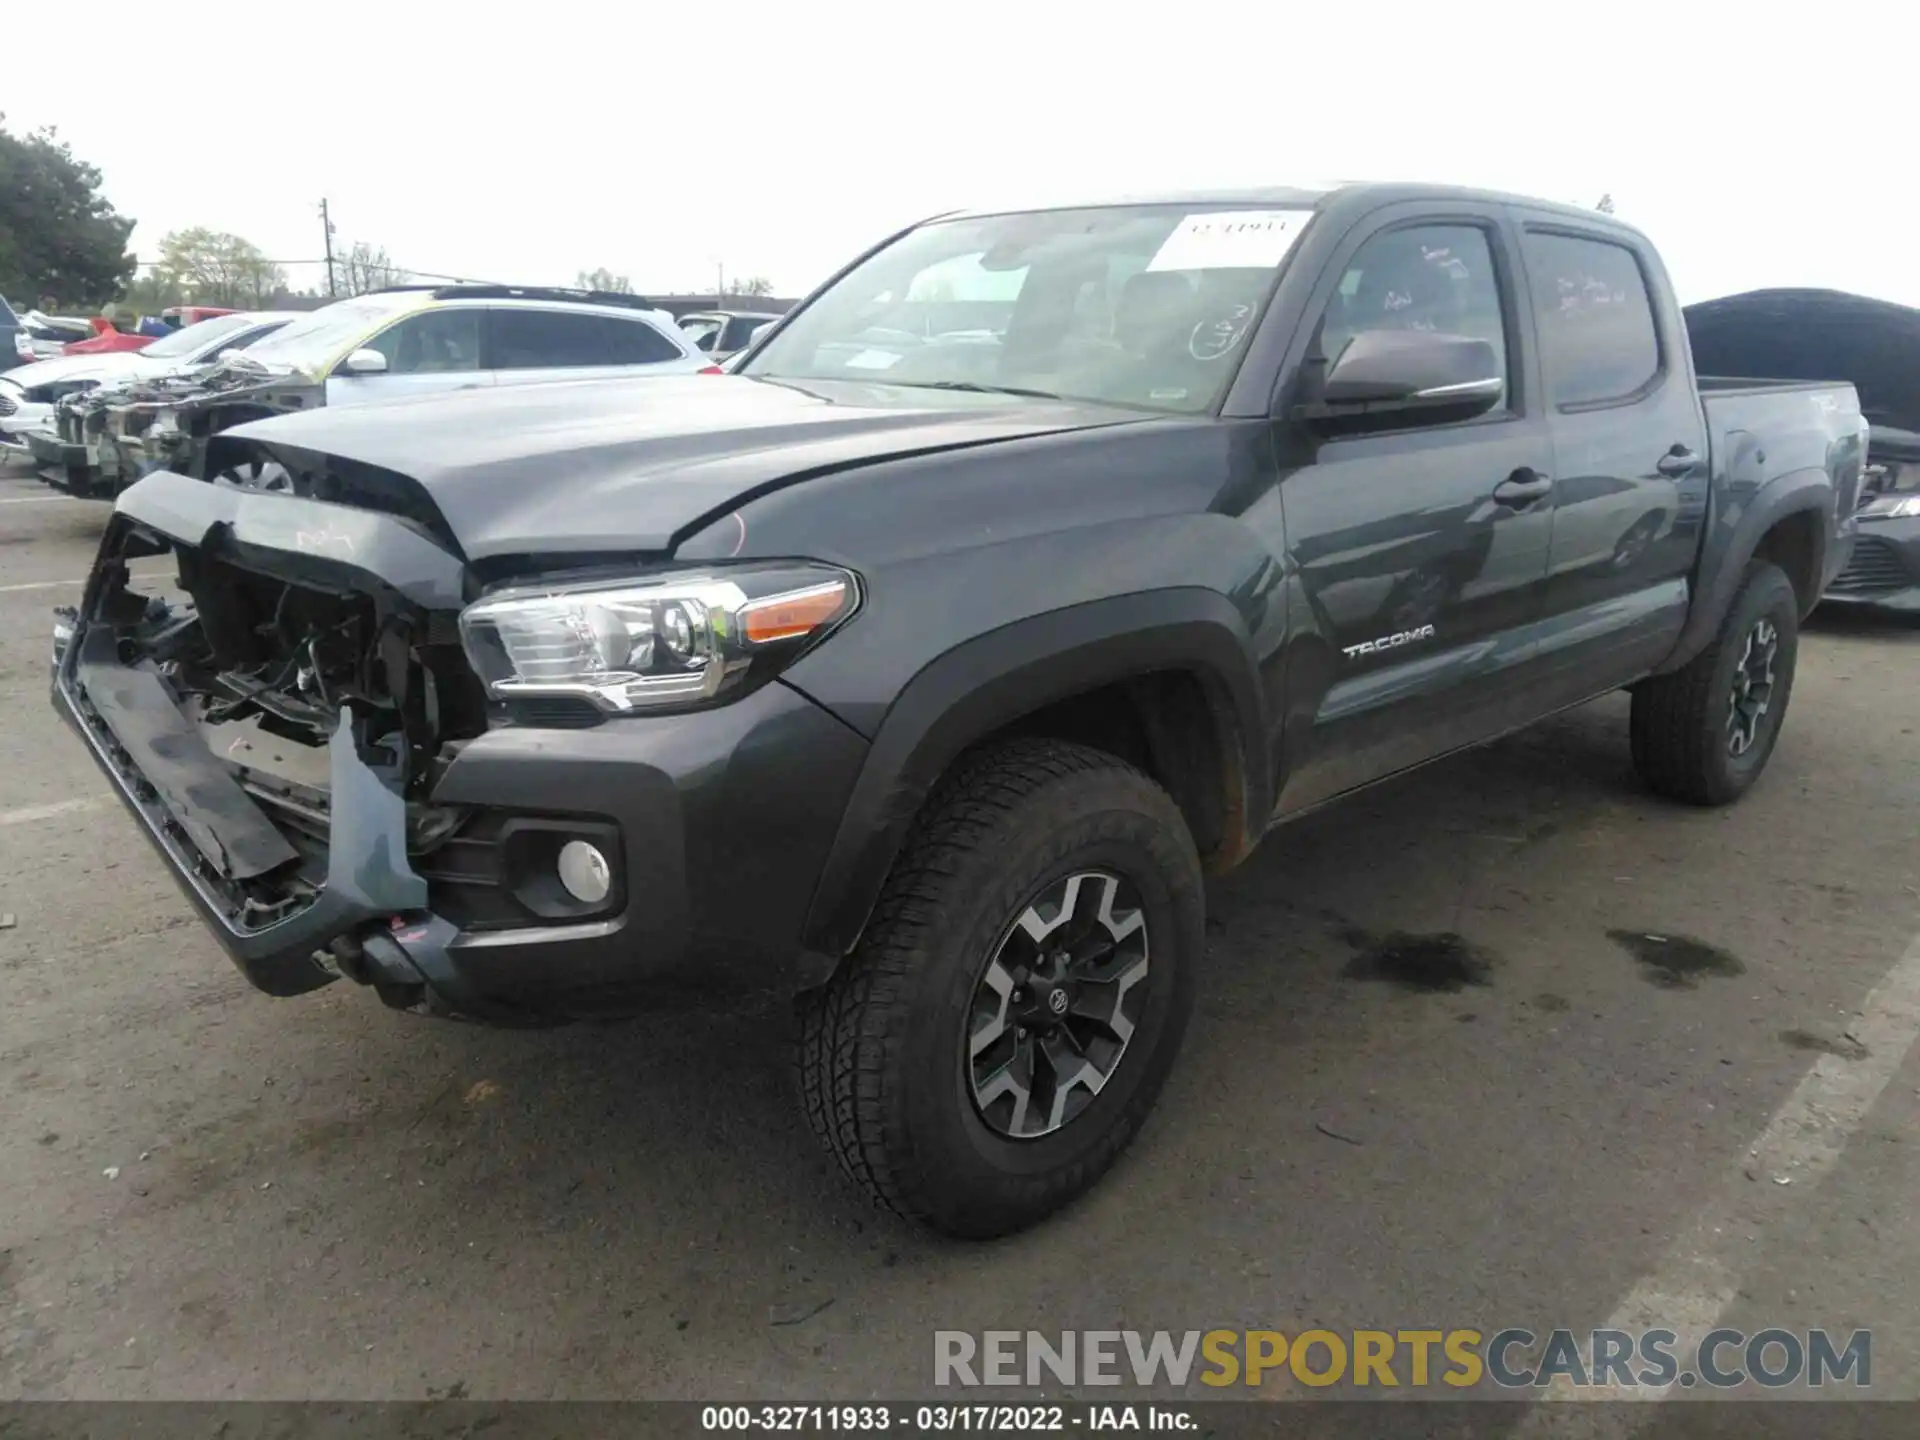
926, 678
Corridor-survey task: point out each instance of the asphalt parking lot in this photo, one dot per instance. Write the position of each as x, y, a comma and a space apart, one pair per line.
1548, 1120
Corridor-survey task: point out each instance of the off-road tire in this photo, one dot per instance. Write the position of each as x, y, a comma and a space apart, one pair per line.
880, 1057
1679, 723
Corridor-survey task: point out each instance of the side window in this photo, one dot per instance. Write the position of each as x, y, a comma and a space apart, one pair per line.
634, 342
546, 340
701, 332
1438, 278
739, 330
1595, 318
433, 342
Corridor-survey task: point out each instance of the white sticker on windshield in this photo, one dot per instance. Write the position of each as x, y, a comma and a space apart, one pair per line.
1230, 240
873, 360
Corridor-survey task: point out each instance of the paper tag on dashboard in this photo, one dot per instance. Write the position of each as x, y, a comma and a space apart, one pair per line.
1230, 240
873, 360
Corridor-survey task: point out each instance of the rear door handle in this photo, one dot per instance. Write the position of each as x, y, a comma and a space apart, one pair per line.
1677, 462
1522, 488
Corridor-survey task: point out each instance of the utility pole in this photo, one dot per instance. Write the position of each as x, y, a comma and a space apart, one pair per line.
326, 226
719, 284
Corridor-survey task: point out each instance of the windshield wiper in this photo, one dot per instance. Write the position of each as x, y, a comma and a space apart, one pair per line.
973, 387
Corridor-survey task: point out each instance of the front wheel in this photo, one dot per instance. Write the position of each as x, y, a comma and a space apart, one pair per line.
1019, 995
1704, 733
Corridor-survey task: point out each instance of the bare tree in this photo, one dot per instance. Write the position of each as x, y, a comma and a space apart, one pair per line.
363, 268
752, 285
1605, 207
603, 279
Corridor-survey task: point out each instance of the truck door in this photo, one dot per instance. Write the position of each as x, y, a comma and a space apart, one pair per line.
1420, 545
1630, 456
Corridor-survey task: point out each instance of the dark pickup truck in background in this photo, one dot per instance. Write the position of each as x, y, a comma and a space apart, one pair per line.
927, 675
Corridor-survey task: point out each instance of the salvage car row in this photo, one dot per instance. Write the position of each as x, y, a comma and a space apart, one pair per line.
93, 424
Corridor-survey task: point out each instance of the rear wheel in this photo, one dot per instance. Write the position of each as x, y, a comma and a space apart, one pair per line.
1020, 993
1704, 733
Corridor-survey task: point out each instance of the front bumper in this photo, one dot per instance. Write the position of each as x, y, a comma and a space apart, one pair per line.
66, 465
724, 818
1884, 568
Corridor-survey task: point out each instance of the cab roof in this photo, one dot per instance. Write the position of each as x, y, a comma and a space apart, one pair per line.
1365, 194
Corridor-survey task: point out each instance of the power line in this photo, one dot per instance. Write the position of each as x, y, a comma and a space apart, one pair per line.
397, 269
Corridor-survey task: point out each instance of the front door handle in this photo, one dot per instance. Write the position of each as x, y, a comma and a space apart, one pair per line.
1522, 488
1677, 462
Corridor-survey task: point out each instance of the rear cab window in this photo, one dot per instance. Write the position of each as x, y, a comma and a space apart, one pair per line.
1594, 313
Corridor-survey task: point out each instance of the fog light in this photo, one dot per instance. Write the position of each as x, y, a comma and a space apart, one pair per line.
584, 872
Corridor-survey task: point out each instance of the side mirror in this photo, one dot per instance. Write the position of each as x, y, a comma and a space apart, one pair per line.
363, 362
1411, 370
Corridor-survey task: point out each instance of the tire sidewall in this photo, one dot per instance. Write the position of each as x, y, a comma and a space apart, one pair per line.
1063, 834
1770, 595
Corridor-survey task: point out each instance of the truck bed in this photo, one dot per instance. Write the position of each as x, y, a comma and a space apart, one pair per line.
1717, 385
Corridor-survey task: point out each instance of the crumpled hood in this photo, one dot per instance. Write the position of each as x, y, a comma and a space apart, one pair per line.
635, 464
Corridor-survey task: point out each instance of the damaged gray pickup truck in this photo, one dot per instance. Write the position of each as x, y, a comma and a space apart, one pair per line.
921, 674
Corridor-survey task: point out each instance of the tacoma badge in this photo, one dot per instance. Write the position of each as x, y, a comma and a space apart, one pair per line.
1389, 642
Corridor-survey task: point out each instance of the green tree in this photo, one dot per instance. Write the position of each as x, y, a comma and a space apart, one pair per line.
151, 292
60, 239
212, 267
603, 279
752, 285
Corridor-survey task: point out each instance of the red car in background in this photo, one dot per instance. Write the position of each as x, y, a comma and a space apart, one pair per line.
107, 340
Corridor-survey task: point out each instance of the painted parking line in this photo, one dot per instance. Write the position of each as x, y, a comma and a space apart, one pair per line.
38, 499
79, 580
1700, 1275
27, 814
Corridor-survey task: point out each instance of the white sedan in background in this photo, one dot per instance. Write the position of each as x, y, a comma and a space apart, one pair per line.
29, 393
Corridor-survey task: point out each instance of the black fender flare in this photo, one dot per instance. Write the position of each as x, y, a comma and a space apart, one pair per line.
1724, 560
993, 680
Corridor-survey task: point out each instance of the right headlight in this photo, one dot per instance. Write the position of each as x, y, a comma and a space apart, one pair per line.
667, 641
1891, 507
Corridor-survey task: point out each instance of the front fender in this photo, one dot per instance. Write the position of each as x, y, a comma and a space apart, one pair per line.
1731, 542
987, 683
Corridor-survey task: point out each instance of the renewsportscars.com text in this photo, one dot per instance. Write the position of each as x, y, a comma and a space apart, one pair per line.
1514, 1358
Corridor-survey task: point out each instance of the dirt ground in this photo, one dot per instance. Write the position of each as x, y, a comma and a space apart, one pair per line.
211, 1194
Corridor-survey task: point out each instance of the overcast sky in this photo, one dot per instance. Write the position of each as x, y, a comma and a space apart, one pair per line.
529, 142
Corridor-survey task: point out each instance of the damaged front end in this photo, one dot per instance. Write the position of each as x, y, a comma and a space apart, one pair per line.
167, 424
67, 448
278, 733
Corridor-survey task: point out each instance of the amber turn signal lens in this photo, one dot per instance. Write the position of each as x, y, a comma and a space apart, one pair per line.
786, 617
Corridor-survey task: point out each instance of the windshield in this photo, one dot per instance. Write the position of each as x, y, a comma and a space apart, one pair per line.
316, 340
192, 339
1141, 305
